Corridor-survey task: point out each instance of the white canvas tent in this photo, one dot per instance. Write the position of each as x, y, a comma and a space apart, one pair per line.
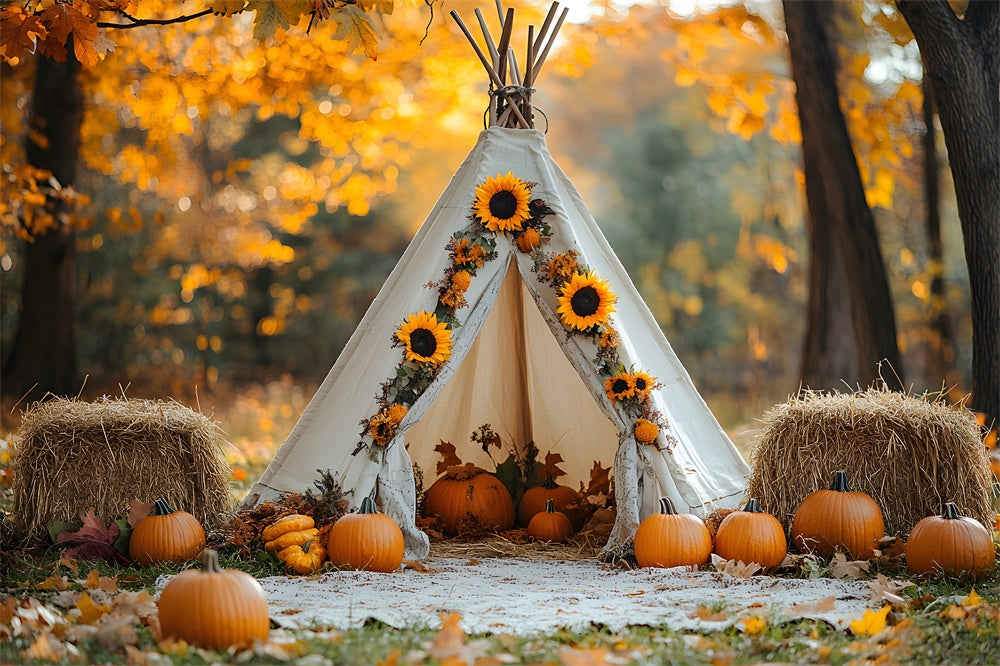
514, 365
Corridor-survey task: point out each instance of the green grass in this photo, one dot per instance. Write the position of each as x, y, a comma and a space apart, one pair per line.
928, 634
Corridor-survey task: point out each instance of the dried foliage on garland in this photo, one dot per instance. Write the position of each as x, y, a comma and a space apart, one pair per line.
326, 504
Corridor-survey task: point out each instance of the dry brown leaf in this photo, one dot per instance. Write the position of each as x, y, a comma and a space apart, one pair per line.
824, 605
551, 466
418, 566
53, 583
69, 562
580, 656
735, 568
706, 614
115, 632
450, 639
472, 562
45, 648
885, 589
841, 567
449, 458
140, 605
92, 578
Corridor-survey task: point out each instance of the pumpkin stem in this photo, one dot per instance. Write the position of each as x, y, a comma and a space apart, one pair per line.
549, 482
307, 545
550, 506
753, 506
367, 506
950, 512
162, 508
840, 482
210, 561
667, 506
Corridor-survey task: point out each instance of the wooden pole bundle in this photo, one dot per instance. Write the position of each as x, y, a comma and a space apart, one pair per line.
511, 87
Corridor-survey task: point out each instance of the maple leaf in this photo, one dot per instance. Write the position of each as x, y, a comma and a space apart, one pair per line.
382, 6
884, 589
448, 456
53, 583
19, 31
356, 29
138, 510
871, 623
551, 466
90, 612
841, 567
226, 7
600, 481
92, 541
63, 20
972, 600
274, 14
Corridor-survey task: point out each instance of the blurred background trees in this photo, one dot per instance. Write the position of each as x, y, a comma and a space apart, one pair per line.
243, 199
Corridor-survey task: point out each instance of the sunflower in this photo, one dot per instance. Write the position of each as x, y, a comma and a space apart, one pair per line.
502, 203
609, 339
646, 431
619, 388
528, 240
643, 383
426, 339
382, 429
586, 301
460, 281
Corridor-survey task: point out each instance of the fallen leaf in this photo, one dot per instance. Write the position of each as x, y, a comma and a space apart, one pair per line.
92, 579
90, 612
115, 632
578, 656
735, 568
841, 567
418, 566
140, 605
884, 589
94, 540
53, 583
871, 623
600, 481
972, 600
472, 562
824, 605
68, 562
706, 614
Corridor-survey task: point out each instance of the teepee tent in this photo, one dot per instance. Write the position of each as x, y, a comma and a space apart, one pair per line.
515, 361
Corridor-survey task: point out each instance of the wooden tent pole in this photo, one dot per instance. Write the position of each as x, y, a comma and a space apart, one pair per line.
552, 39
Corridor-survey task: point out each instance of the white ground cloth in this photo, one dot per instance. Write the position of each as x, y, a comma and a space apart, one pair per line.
527, 596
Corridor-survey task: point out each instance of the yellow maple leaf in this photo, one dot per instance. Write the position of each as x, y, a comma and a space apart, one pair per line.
356, 29
973, 599
871, 623
90, 612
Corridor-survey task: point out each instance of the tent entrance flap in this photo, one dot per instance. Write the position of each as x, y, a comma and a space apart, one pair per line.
516, 378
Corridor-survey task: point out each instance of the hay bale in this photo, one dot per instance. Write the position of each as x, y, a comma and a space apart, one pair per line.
73, 455
910, 454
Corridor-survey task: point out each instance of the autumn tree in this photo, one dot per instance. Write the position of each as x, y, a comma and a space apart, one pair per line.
57, 37
961, 56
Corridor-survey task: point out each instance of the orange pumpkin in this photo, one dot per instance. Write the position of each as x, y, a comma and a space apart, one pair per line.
550, 525
949, 543
467, 492
671, 539
534, 499
213, 608
838, 518
751, 535
366, 540
166, 535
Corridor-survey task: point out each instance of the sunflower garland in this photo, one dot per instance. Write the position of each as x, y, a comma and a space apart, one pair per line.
645, 431
383, 426
618, 388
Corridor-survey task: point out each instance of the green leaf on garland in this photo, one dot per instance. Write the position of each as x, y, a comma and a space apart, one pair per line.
509, 473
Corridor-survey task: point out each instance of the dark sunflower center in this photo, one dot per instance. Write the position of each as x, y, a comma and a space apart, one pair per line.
585, 301
640, 383
620, 386
383, 428
503, 205
423, 342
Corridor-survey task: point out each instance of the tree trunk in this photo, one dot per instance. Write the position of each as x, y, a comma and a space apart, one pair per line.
941, 350
962, 60
836, 200
43, 353
829, 356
